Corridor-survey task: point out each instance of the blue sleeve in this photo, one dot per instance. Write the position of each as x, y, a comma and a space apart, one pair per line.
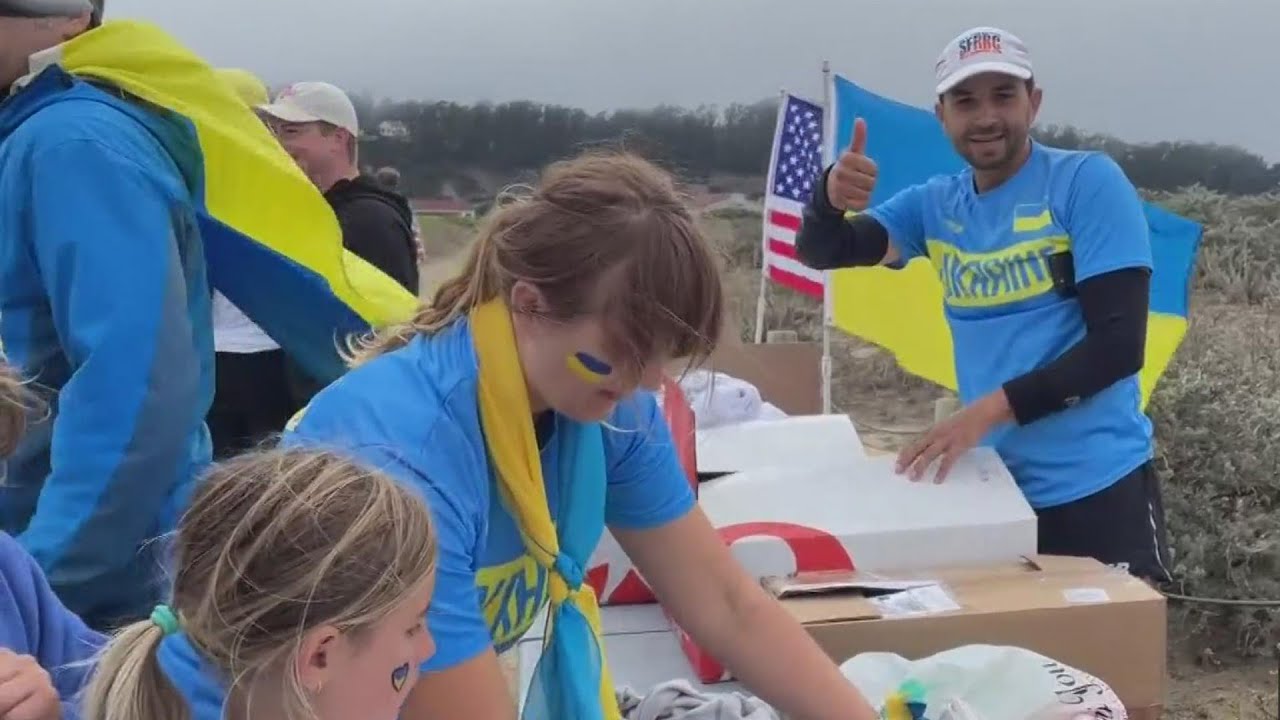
340, 420
647, 485
1105, 220
903, 217
104, 241
36, 623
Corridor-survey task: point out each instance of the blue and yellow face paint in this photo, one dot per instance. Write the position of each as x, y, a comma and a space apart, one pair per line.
399, 676
588, 367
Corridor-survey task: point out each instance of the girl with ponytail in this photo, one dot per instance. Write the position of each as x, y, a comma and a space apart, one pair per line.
300, 584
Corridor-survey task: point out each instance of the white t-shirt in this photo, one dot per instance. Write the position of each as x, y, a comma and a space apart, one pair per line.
234, 332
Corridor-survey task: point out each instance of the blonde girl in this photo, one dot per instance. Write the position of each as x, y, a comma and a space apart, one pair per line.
300, 584
517, 402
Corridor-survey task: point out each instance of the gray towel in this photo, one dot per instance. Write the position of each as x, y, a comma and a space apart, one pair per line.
678, 700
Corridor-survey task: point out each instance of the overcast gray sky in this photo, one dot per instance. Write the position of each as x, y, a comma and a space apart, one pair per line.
1139, 69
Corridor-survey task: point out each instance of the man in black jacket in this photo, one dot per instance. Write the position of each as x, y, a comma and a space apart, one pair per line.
316, 123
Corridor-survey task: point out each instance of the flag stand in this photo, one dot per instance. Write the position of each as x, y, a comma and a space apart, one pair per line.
765, 265
761, 298
827, 131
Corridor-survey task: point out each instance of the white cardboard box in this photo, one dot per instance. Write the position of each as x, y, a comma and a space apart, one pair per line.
810, 439
861, 513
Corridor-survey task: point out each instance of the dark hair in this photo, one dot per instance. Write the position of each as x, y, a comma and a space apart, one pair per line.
1029, 82
388, 177
95, 17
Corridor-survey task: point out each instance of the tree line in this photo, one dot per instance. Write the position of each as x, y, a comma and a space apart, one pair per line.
449, 146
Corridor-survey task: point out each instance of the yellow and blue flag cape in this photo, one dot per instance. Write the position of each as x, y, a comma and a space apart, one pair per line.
909, 147
272, 243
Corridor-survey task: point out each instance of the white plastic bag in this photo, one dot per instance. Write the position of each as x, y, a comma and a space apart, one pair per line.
987, 682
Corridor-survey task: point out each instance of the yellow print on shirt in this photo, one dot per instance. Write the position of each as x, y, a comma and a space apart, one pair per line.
511, 594
1000, 277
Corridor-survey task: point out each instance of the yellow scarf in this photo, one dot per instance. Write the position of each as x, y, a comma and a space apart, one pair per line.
507, 420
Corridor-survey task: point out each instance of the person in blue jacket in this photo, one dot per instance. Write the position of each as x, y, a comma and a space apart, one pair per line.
522, 390
46, 651
44, 648
104, 304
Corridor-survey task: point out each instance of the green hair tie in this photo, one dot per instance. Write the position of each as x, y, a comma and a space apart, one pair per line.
164, 618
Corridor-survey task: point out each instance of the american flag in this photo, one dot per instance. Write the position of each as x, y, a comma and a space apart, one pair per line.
793, 171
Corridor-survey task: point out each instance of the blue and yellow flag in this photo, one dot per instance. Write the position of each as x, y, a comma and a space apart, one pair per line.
273, 244
909, 146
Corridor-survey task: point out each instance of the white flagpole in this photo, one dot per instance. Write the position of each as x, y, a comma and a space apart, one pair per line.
761, 299
827, 315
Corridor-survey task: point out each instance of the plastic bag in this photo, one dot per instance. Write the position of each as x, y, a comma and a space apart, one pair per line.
981, 682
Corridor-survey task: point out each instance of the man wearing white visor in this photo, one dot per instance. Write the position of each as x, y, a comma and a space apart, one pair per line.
1045, 261
317, 125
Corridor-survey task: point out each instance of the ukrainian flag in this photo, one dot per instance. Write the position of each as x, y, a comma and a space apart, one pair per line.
909, 146
272, 242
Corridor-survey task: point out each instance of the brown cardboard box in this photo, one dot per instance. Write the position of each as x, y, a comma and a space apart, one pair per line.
789, 375
1074, 610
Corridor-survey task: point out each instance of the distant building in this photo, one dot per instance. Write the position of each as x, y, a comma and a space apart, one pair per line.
442, 207
393, 129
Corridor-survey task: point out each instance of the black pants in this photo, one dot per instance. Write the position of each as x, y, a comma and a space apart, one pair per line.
251, 401
1123, 525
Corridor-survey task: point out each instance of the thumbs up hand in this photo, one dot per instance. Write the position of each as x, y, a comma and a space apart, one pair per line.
853, 177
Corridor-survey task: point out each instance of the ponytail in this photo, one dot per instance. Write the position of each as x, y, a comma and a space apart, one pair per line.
474, 284
128, 683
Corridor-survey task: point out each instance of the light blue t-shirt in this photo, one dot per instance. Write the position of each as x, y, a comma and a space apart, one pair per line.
991, 251
413, 414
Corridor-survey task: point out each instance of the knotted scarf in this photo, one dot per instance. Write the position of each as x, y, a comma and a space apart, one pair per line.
572, 679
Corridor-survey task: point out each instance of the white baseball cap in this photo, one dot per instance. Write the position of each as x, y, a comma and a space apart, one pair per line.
314, 102
982, 50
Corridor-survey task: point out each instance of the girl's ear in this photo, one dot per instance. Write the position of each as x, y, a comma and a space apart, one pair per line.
315, 660
526, 299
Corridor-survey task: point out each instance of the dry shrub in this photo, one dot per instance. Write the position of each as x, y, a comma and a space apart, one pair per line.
1240, 251
1217, 418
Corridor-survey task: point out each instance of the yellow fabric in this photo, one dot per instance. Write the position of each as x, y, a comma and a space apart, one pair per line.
1164, 334
250, 90
507, 419
916, 331
251, 183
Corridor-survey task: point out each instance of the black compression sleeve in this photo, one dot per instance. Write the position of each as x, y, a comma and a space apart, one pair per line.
826, 241
1114, 306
